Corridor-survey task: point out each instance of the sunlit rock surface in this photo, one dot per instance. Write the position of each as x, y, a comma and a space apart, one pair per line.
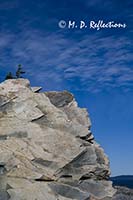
47, 150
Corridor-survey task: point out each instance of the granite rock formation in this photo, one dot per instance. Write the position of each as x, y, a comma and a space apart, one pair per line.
47, 150
123, 193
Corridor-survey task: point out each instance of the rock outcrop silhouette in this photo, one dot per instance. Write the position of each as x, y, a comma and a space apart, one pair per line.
47, 150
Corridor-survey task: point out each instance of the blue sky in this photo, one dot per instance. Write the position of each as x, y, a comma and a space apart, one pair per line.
94, 65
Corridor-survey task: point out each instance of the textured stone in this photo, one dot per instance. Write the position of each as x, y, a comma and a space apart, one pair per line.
123, 193
47, 150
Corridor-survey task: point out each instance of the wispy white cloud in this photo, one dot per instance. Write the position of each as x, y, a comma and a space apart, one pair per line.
96, 62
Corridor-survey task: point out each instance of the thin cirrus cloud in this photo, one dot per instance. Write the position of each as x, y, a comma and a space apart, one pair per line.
96, 62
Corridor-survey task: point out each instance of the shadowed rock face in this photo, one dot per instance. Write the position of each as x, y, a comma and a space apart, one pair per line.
47, 150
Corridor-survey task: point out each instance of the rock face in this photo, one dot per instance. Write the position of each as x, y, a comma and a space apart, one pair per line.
123, 193
47, 150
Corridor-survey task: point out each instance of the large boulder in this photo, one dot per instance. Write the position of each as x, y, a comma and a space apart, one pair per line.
47, 150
